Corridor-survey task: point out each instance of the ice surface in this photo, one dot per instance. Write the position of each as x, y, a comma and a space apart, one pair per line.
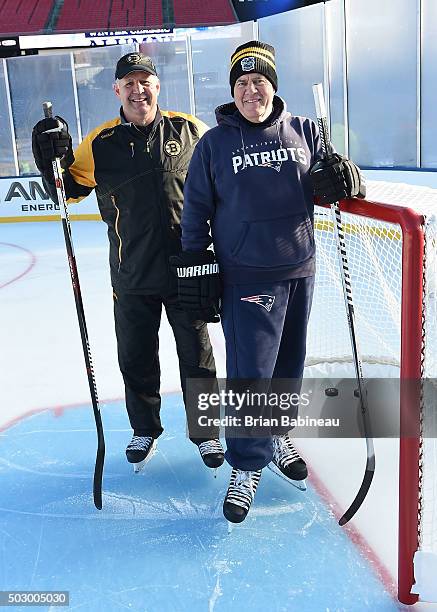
160, 541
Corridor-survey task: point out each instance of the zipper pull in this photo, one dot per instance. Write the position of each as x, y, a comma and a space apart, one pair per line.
148, 147
132, 147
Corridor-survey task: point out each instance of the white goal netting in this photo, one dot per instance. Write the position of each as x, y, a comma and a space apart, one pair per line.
374, 252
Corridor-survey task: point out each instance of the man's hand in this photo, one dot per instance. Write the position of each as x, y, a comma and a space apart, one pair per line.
336, 178
199, 286
51, 140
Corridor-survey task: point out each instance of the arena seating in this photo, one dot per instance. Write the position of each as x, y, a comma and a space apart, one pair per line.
23, 16
84, 15
154, 13
199, 12
135, 13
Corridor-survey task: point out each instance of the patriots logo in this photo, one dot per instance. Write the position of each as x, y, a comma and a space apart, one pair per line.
266, 301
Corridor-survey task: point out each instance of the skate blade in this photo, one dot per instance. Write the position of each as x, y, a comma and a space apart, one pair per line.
213, 470
231, 527
298, 484
139, 466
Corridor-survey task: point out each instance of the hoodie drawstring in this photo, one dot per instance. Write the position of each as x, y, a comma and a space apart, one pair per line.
243, 147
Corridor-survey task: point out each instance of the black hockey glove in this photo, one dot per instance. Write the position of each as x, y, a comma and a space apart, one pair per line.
199, 287
51, 140
336, 178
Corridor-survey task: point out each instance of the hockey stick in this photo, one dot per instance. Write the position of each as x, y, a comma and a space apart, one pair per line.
60, 192
347, 293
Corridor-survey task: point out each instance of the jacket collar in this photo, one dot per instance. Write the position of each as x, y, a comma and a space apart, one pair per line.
124, 121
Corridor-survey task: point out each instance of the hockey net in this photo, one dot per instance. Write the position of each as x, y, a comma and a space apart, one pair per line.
391, 241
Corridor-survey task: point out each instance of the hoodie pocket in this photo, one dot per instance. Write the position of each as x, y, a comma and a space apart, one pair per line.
287, 241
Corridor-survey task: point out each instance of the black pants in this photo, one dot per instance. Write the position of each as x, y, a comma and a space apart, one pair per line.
137, 321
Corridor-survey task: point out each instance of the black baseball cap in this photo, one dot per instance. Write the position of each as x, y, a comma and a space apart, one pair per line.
132, 62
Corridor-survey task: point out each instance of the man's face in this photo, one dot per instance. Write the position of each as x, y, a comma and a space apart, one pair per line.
253, 96
138, 92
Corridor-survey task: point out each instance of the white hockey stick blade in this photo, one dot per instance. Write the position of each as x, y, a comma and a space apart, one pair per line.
139, 466
299, 484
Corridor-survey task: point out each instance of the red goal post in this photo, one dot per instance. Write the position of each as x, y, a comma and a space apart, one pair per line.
386, 240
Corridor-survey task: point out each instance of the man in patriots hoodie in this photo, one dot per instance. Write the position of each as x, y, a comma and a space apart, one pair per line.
250, 190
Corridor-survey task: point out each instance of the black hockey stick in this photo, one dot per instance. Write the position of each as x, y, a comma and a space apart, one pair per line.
60, 192
347, 293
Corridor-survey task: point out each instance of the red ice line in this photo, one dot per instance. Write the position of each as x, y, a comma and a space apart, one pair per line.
29, 267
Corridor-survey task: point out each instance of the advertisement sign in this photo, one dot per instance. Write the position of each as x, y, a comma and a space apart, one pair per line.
95, 39
247, 10
25, 199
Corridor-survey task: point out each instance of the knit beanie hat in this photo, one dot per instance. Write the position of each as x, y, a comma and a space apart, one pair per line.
253, 56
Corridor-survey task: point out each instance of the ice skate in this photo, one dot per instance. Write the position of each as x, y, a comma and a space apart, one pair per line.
140, 450
240, 494
212, 454
287, 463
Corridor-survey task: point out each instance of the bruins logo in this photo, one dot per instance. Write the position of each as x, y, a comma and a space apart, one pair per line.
133, 58
172, 147
107, 134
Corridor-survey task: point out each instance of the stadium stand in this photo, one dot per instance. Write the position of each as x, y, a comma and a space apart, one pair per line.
135, 13
84, 15
24, 16
154, 13
48, 16
199, 12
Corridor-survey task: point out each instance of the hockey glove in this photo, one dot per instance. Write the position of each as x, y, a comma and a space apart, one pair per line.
199, 287
51, 140
335, 179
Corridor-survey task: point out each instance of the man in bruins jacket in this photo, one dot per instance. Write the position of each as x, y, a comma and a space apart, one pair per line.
137, 163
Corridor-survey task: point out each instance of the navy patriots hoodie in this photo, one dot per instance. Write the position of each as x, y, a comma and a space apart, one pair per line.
248, 191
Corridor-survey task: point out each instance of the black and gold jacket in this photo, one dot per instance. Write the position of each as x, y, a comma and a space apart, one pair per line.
139, 184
